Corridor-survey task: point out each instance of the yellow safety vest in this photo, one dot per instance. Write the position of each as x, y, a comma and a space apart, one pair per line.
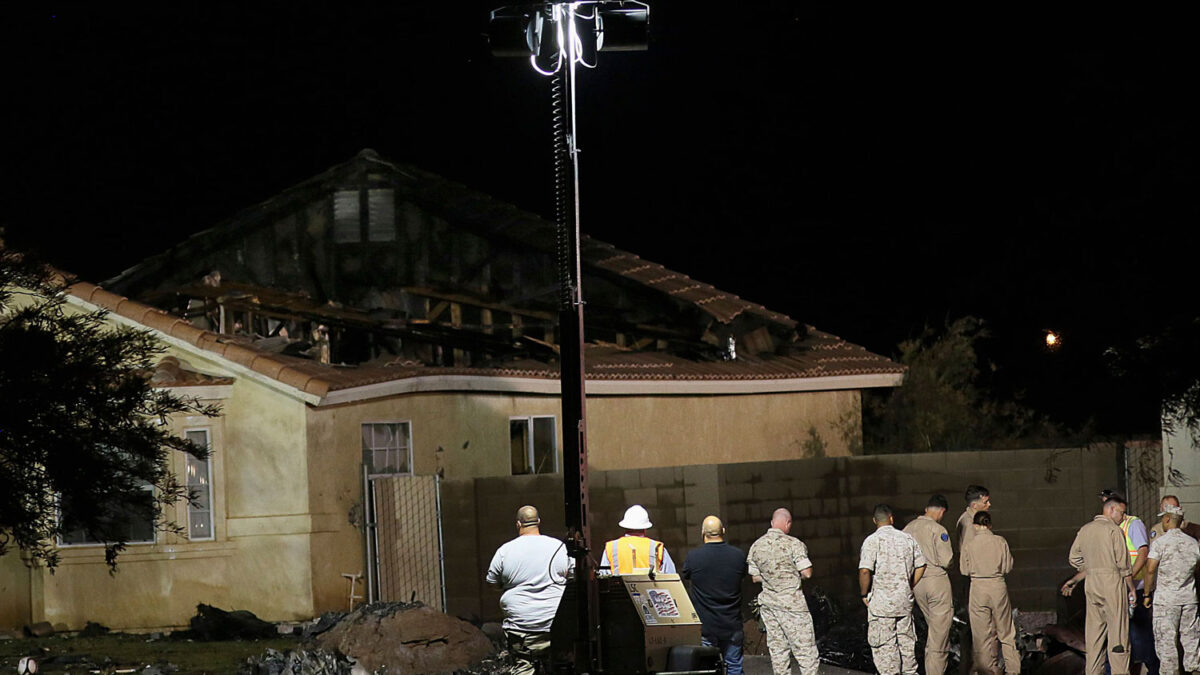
631, 554
1133, 550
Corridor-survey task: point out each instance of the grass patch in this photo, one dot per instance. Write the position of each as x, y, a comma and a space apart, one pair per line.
121, 650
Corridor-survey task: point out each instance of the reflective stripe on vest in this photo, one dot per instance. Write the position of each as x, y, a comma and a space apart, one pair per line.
1133, 550
631, 555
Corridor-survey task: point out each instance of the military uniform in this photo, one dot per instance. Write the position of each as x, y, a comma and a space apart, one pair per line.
778, 559
1099, 549
965, 528
892, 556
1175, 600
932, 593
986, 559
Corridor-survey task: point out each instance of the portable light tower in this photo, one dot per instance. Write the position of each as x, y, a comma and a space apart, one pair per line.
558, 37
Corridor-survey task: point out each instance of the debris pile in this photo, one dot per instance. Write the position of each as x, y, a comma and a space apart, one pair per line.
408, 638
300, 662
211, 623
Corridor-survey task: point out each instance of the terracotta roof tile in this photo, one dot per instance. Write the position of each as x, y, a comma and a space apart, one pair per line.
817, 354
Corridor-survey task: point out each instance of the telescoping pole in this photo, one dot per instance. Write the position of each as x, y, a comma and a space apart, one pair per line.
574, 398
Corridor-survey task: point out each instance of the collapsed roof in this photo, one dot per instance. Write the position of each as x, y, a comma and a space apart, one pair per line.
389, 271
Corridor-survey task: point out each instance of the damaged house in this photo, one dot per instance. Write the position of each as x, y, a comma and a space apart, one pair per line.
377, 321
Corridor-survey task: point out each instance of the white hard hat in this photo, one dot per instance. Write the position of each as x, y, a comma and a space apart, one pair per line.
636, 518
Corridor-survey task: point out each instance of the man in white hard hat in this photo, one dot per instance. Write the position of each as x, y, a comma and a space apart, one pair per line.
635, 553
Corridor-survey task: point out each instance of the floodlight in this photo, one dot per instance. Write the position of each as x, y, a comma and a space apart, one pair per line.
623, 28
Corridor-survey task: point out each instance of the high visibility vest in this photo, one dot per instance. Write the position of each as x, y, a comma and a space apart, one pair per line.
1133, 550
632, 554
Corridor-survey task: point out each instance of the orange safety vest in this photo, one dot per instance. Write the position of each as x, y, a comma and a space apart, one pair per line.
1133, 550
631, 554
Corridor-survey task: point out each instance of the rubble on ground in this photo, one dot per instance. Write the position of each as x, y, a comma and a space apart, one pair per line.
211, 623
93, 629
300, 662
321, 624
39, 629
409, 638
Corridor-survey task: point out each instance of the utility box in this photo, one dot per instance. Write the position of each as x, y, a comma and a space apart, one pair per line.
647, 625
641, 619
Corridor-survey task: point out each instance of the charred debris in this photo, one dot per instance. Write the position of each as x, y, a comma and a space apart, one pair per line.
377, 264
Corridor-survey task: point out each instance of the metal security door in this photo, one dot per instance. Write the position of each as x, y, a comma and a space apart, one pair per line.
404, 540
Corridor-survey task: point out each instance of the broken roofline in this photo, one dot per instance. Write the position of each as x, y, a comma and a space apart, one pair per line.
305, 381
488, 216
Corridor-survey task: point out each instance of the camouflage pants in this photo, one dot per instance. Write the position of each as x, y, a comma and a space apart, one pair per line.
1171, 623
893, 641
790, 633
530, 652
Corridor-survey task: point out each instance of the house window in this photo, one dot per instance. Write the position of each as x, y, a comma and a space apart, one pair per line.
381, 215
348, 213
199, 485
534, 444
132, 523
347, 221
387, 448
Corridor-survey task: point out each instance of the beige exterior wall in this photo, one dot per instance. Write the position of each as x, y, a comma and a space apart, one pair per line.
1181, 466
14, 591
636, 432
258, 559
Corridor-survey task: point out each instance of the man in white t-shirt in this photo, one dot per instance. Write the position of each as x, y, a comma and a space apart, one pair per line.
532, 571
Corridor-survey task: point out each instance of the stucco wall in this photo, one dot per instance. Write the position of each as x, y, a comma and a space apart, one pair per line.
14, 591
262, 527
633, 432
1181, 466
623, 431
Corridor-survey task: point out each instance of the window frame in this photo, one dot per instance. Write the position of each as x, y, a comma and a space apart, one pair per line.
408, 425
212, 520
531, 443
60, 543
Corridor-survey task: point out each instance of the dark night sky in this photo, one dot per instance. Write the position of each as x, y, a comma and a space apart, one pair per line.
868, 170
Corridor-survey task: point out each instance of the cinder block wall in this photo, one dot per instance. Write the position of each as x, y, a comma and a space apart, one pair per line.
1040, 497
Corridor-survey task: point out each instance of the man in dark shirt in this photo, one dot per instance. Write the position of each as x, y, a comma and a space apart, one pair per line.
716, 570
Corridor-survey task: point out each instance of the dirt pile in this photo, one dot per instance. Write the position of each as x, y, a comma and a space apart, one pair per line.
408, 638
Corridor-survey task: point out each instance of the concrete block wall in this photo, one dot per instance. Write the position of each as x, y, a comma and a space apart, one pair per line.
1040, 497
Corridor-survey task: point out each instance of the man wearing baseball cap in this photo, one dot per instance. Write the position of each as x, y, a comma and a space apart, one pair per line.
635, 553
1190, 529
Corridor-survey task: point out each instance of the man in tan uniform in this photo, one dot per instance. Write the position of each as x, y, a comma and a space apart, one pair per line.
978, 499
1099, 551
985, 560
933, 593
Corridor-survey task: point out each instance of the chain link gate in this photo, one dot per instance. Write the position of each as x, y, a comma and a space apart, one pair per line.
404, 540
1143, 479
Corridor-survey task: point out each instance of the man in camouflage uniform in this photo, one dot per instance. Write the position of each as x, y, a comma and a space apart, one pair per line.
780, 562
1171, 588
933, 594
890, 564
1190, 529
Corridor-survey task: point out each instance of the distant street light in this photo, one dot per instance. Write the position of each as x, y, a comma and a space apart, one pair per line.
1053, 340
